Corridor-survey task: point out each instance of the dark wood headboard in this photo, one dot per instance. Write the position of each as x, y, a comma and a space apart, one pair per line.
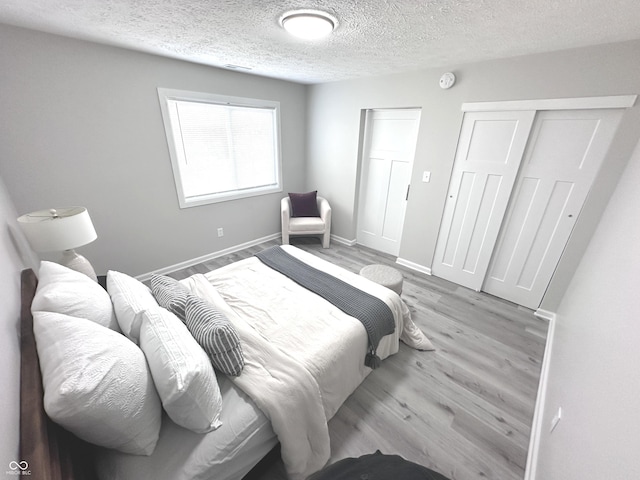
51, 452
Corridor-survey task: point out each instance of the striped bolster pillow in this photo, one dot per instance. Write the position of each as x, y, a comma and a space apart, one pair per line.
215, 334
170, 294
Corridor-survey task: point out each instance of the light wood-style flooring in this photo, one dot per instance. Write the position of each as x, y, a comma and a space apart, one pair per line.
465, 409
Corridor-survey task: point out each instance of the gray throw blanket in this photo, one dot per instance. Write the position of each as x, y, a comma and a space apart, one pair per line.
375, 315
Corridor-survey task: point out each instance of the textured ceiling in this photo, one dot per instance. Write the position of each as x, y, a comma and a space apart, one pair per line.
373, 37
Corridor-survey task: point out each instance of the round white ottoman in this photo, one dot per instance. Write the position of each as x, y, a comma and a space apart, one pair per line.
386, 276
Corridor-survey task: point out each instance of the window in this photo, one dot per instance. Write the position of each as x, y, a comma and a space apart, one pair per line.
221, 148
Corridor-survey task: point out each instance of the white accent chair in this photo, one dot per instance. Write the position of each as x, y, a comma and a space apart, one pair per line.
307, 226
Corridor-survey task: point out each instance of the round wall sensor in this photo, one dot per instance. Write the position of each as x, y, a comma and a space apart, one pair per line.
447, 80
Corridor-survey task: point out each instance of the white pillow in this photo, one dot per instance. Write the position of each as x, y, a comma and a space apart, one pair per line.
62, 290
181, 370
130, 298
97, 383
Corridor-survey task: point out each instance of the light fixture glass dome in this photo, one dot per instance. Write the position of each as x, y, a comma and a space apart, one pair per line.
308, 24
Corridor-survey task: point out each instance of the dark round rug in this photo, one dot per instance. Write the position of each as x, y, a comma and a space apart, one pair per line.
376, 466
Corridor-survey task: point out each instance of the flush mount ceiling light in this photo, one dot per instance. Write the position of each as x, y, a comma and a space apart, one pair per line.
308, 24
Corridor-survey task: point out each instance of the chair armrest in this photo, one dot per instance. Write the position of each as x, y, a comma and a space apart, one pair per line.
325, 210
285, 211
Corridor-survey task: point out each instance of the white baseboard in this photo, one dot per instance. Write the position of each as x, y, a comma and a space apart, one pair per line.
344, 241
538, 413
546, 314
413, 266
194, 261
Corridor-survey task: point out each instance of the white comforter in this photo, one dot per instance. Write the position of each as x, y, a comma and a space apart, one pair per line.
303, 356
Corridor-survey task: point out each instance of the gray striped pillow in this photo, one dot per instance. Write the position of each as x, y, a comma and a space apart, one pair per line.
215, 334
170, 294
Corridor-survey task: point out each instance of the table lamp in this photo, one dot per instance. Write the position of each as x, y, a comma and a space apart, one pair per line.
61, 229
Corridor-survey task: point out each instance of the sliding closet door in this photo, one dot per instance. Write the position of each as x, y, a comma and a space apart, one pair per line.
564, 155
490, 150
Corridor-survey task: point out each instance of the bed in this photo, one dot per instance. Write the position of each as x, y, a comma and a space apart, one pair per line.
297, 347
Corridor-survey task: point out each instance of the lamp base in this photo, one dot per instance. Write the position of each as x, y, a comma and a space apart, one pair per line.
77, 262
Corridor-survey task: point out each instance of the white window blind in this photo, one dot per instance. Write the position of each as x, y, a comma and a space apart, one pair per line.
222, 148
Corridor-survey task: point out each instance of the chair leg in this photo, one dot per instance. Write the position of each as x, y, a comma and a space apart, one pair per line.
325, 240
285, 238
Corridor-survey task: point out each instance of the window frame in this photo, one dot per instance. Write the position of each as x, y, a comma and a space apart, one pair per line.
167, 94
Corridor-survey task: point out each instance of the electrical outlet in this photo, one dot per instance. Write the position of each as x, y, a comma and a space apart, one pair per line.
556, 419
221, 232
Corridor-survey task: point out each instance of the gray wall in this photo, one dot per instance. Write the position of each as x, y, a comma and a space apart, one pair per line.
82, 126
593, 368
335, 122
15, 255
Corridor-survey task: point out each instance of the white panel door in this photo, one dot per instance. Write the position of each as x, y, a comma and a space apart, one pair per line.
389, 149
490, 149
564, 155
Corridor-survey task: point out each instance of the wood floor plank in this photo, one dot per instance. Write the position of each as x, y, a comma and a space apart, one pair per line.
465, 409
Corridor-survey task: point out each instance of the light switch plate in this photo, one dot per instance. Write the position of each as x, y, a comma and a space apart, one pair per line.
426, 176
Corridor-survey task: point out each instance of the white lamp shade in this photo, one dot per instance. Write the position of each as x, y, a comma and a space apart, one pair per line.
58, 229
